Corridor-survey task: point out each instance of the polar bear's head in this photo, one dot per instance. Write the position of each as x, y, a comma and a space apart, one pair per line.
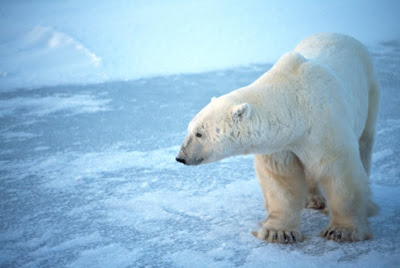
217, 131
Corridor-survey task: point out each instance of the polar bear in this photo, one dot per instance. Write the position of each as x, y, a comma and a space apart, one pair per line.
310, 121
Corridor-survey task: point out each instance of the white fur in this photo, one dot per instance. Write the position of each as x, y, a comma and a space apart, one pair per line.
311, 118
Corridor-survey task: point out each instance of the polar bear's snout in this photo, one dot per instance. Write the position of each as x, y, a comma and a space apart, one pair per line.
190, 152
184, 159
182, 156
180, 160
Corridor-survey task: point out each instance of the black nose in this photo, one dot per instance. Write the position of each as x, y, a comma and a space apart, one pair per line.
180, 160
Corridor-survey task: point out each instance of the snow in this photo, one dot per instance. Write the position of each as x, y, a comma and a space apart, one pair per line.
95, 99
82, 42
52, 104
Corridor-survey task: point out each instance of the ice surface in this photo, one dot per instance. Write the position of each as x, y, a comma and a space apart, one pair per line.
88, 179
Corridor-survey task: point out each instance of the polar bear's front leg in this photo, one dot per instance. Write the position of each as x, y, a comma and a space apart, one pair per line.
282, 180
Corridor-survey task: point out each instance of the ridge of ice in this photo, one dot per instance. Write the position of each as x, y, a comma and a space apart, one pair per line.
45, 56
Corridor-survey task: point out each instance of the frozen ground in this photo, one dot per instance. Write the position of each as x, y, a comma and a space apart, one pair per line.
88, 179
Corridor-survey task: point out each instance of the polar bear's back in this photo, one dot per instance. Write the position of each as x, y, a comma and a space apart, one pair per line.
341, 53
350, 63
327, 45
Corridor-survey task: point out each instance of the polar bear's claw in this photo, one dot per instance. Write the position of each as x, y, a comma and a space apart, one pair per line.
278, 236
339, 234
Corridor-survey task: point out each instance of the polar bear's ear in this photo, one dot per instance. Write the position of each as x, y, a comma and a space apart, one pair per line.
213, 99
241, 111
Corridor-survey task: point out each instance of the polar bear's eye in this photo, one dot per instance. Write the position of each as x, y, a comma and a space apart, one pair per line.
198, 135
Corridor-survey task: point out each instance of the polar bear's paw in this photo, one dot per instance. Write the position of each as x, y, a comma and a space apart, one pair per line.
316, 202
278, 236
344, 234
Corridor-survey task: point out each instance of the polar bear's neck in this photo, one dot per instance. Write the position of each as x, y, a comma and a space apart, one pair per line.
276, 120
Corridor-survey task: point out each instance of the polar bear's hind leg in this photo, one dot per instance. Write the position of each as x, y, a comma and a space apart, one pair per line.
346, 189
367, 138
315, 200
